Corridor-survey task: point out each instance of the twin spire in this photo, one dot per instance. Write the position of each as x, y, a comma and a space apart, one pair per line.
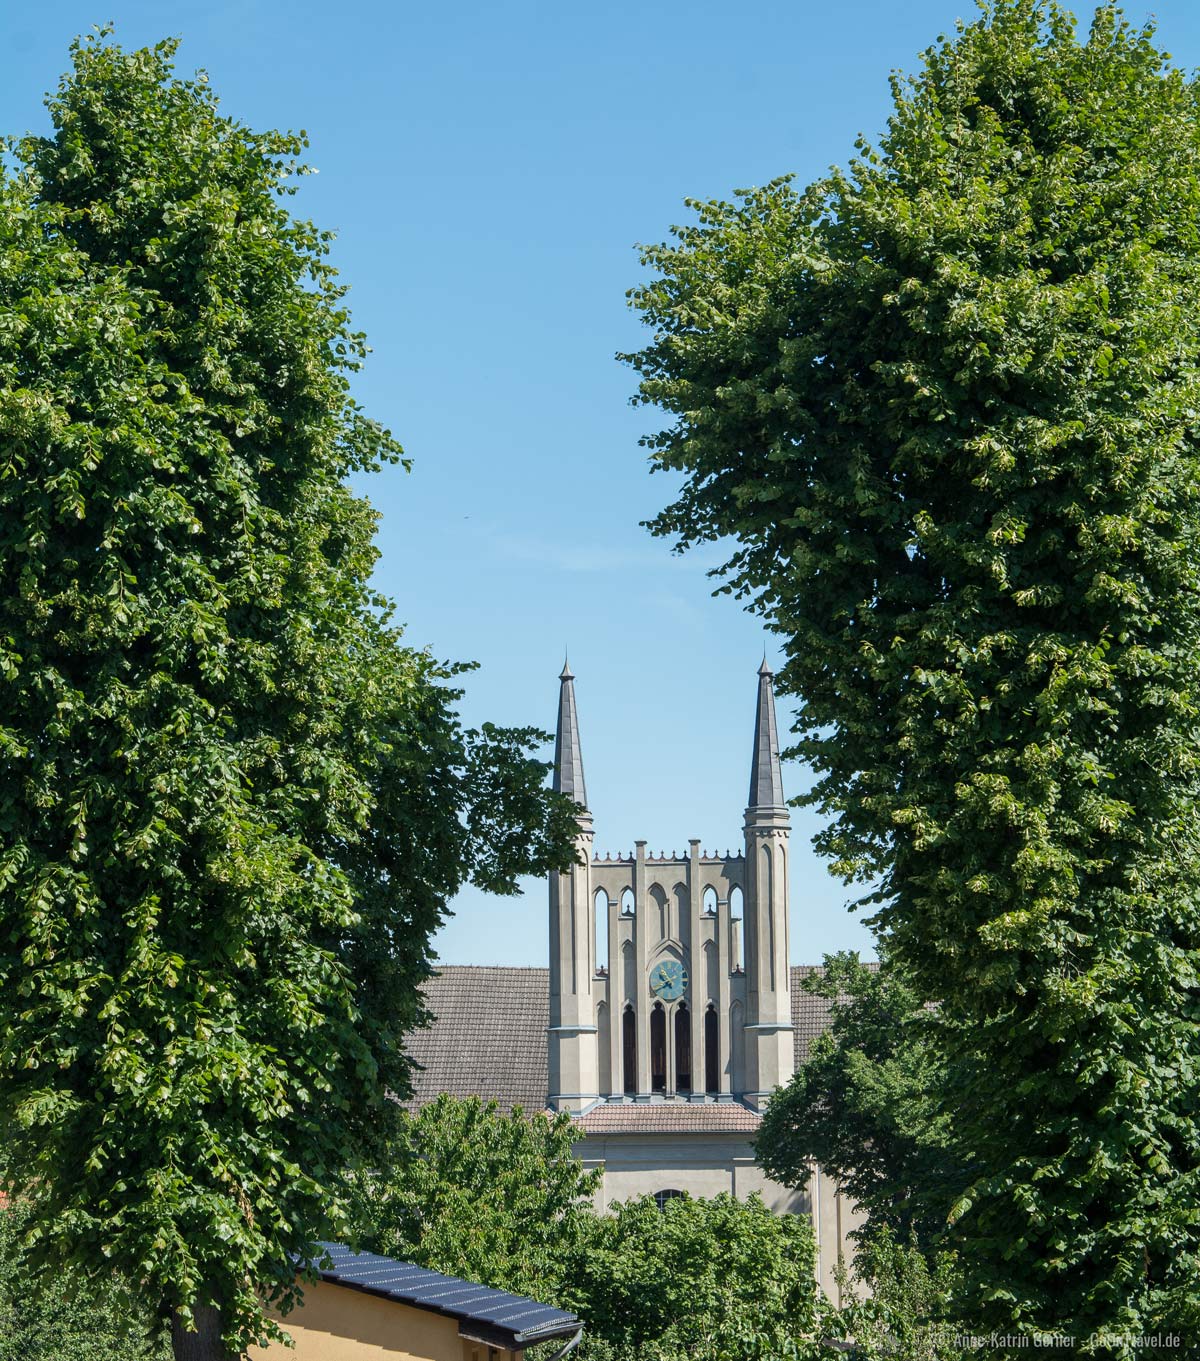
568, 756
766, 777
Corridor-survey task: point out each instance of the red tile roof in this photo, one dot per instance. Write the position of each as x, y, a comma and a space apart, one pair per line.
669, 1117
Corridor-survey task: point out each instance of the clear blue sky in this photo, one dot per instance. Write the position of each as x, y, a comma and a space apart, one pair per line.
489, 168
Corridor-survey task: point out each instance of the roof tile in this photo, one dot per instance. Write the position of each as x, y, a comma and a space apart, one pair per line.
670, 1117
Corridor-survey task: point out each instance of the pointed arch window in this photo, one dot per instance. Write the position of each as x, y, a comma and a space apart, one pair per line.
658, 1049
712, 1072
601, 925
736, 914
629, 1051
683, 1048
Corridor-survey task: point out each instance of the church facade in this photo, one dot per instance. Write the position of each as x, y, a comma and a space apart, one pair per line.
696, 1007
665, 1052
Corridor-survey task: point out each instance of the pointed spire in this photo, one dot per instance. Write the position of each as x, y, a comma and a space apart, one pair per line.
766, 778
568, 758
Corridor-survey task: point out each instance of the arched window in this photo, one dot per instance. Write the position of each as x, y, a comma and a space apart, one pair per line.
658, 1049
712, 1057
735, 928
683, 1049
601, 931
629, 1051
661, 1197
709, 901
627, 902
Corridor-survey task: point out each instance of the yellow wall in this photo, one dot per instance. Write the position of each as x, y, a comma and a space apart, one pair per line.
336, 1323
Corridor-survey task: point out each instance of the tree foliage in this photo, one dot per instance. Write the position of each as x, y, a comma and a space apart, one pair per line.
71, 1317
716, 1280
899, 1303
945, 403
501, 1198
235, 803
469, 1190
864, 1105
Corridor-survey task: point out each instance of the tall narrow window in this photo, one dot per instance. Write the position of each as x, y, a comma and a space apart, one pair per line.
658, 1049
629, 1051
601, 902
683, 1049
627, 902
710, 901
712, 1072
735, 928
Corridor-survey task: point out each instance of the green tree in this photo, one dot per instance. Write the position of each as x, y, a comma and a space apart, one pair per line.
945, 403
906, 1311
495, 1197
234, 803
501, 1198
716, 1280
864, 1105
71, 1317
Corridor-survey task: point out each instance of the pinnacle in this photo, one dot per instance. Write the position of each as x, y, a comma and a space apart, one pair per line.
568, 757
766, 777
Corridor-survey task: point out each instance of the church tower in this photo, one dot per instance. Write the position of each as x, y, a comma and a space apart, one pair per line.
572, 1035
692, 1002
769, 1043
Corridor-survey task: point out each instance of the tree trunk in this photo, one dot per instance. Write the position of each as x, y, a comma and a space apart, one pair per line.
203, 1344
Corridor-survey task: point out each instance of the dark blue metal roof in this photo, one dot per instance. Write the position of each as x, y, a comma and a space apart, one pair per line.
510, 1320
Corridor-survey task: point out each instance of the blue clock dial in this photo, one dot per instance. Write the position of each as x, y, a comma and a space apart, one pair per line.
668, 980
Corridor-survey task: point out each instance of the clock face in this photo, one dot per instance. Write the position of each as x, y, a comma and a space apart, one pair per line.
668, 980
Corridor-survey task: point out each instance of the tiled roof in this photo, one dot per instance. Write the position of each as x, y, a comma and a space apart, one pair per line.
488, 1037
810, 1015
510, 1321
670, 1117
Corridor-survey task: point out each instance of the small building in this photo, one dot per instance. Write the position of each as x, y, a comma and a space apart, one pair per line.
371, 1308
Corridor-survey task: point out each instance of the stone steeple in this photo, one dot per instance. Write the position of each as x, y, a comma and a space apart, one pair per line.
769, 1046
766, 778
568, 757
573, 1050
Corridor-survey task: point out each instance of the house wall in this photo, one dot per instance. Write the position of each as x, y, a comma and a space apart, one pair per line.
337, 1323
